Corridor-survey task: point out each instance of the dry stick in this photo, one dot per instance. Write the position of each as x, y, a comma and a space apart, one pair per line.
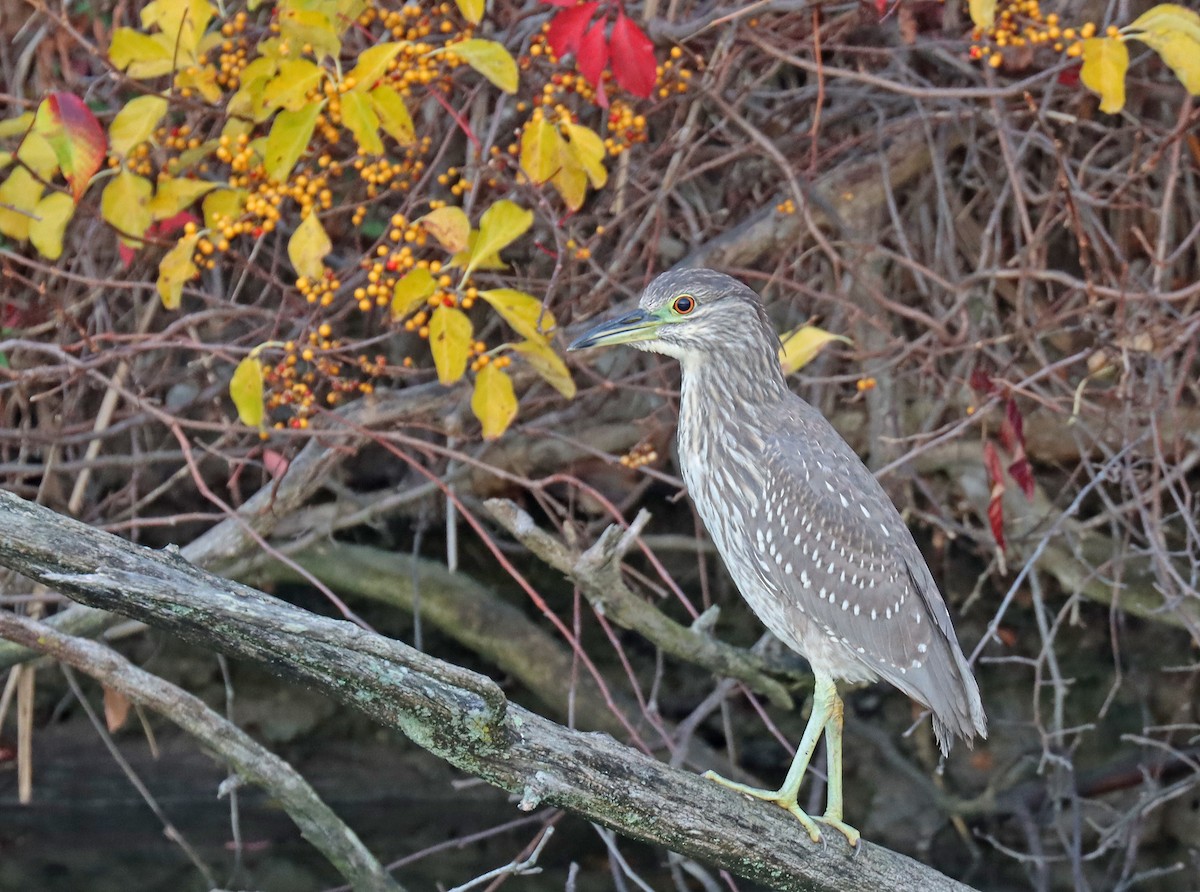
456, 714
319, 824
107, 406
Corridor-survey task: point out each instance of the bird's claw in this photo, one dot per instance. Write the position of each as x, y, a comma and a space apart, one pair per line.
852, 835
780, 798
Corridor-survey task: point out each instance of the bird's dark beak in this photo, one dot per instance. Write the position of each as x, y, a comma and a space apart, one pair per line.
636, 326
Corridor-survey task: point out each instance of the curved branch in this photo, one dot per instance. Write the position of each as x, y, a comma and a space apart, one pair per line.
457, 715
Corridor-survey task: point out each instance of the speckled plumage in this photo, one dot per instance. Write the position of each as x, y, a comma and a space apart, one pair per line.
809, 536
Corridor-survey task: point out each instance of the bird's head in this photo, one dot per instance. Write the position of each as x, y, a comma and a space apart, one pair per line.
691, 314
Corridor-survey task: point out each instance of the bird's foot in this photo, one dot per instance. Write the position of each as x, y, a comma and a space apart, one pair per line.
852, 835
783, 800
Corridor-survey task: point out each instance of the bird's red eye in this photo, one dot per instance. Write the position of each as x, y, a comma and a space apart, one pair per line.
684, 304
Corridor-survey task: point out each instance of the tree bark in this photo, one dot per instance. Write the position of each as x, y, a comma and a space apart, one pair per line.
455, 714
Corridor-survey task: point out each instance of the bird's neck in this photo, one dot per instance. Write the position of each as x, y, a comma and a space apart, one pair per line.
741, 385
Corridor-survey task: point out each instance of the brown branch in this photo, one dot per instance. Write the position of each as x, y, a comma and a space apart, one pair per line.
316, 820
597, 572
457, 715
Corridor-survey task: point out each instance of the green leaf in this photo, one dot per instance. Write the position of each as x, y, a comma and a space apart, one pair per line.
290, 135
373, 64
450, 226
246, 391
494, 401
135, 123
411, 292
289, 88
393, 115
501, 224
301, 26
308, 246
46, 232
358, 114
176, 268
802, 346
543, 360
125, 205
522, 312
1105, 61
450, 342
491, 60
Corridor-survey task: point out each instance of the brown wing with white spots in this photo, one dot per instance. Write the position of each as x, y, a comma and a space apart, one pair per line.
840, 549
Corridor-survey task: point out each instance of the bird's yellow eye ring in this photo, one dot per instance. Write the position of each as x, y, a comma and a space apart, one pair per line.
684, 304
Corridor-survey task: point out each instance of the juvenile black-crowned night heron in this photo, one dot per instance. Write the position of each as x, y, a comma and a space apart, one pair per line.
811, 539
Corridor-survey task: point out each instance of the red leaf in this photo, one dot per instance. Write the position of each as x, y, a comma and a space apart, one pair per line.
567, 27
1012, 428
126, 253
75, 135
1069, 77
1021, 471
995, 510
593, 54
981, 381
565, 4
172, 225
633, 57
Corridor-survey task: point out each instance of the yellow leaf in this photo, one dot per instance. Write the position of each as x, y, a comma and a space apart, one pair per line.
494, 401
983, 13
46, 232
290, 135
411, 292
450, 341
543, 360
450, 226
501, 224
177, 268
472, 10
135, 123
141, 55
36, 153
802, 346
588, 149
125, 205
248, 101
301, 26
289, 88
523, 312
1105, 61
308, 246
246, 391
570, 179
201, 79
19, 196
393, 115
223, 207
1173, 32
540, 147
176, 193
17, 126
491, 60
182, 21
358, 114
373, 64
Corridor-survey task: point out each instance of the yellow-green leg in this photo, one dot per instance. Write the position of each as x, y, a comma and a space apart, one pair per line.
826, 717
